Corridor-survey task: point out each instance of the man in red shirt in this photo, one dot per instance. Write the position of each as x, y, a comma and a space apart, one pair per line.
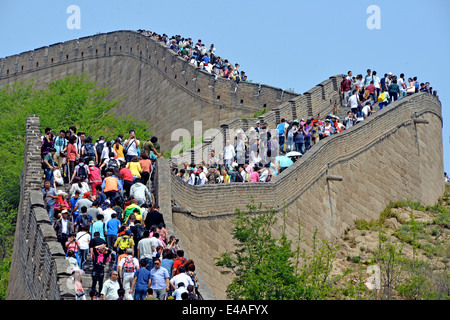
372, 89
346, 86
127, 178
179, 261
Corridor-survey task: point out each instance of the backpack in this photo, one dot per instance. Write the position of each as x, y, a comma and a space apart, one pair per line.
381, 97
112, 164
82, 173
183, 260
196, 179
128, 265
89, 149
152, 156
99, 148
124, 243
280, 129
85, 221
140, 229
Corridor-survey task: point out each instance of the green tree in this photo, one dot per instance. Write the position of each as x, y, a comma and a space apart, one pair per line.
389, 258
261, 263
265, 266
73, 100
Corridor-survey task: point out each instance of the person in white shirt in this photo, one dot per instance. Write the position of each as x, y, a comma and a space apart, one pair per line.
181, 277
191, 179
110, 287
131, 145
126, 268
354, 102
366, 110
201, 176
240, 149
402, 85
228, 154
59, 181
179, 291
107, 212
156, 242
264, 174
83, 237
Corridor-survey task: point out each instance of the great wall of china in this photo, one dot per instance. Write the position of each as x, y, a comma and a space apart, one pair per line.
399, 154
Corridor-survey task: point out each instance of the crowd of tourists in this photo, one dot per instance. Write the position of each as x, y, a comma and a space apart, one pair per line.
262, 153
98, 201
201, 56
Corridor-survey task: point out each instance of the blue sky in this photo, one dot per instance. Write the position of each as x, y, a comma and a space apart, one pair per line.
285, 43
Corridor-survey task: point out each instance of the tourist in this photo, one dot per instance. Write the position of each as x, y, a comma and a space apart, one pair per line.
110, 288
126, 269
49, 195
63, 227
159, 280
141, 282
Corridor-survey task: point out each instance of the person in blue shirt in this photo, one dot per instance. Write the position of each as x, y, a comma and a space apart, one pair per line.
206, 58
141, 281
112, 229
159, 280
281, 131
99, 226
73, 204
77, 222
101, 197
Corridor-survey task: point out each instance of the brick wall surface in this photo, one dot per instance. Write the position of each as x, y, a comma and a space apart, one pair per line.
390, 156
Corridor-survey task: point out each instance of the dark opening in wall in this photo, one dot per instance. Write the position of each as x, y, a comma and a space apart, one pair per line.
175, 76
109, 50
52, 60
218, 97
67, 57
7, 71
37, 64
242, 101
96, 51
198, 90
82, 54
120, 48
131, 49
187, 83
265, 105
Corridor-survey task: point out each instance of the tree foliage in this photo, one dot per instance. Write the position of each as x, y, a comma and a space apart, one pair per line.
71, 101
264, 264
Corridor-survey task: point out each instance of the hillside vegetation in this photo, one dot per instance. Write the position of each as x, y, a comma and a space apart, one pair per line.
409, 243
71, 101
403, 255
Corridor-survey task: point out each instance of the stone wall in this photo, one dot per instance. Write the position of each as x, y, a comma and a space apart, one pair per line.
395, 154
39, 270
157, 86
